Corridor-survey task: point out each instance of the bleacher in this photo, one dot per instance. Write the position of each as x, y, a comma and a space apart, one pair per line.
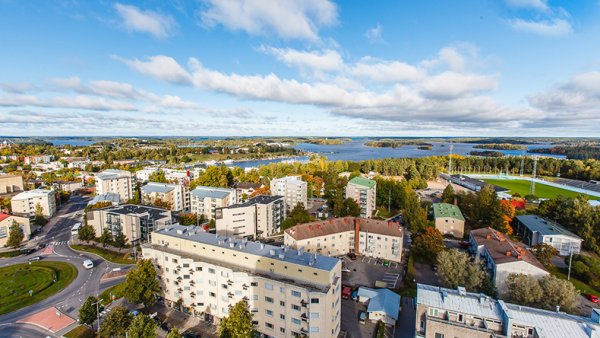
579, 184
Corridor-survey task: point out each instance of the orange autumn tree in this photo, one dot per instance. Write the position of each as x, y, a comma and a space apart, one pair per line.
508, 213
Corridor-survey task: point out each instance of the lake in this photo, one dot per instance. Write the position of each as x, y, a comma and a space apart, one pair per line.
76, 142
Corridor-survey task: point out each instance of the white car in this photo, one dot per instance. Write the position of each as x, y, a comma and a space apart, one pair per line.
88, 264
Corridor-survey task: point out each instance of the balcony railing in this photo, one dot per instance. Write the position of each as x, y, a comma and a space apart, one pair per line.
494, 333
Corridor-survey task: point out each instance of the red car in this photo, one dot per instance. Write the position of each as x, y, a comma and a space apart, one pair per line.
593, 298
346, 291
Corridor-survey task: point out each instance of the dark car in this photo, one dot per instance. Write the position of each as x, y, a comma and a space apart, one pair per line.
191, 334
351, 255
41, 246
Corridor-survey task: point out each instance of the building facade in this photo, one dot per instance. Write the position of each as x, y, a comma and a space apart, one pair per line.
116, 181
293, 190
11, 184
25, 202
6, 222
243, 190
339, 236
535, 229
448, 219
364, 192
290, 293
68, 186
260, 216
136, 222
204, 201
177, 195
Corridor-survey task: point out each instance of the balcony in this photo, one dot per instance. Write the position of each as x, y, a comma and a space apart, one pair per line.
493, 333
303, 303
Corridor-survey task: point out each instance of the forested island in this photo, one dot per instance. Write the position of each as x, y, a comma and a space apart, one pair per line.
392, 143
500, 146
486, 153
576, 152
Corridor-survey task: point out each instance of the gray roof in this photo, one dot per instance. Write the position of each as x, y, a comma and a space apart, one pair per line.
211, 192
107, 197
289, 255
544, 226
110, 174
140, 210
161, 188
260, 199
450, 299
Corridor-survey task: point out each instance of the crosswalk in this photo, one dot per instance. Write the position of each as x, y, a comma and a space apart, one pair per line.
59, 243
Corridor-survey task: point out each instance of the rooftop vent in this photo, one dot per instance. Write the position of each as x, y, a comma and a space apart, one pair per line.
481, 298
444, 295
262, 245
180, 231
272, 252
232, 244
281, 255
462, 291
300, 251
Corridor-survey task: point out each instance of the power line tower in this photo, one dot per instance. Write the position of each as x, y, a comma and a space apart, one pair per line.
450, 160
532, 190
522, 165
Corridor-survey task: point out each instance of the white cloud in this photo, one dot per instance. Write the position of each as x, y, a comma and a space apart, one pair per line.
551, 28
451, 85
288, 19
374, 35
158, 25
160, 67
540, 5
327, 60
384, 71
77, 102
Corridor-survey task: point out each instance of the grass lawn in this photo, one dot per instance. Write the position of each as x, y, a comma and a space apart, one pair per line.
111, 256
16, 281
583, 287
10, 254
541, 190
116, 290
81, 332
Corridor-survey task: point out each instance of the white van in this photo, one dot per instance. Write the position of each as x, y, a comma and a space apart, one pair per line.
88, 264
75, 229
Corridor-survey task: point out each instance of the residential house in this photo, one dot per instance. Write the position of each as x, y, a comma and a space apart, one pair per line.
6, 222
177, 195
116, 181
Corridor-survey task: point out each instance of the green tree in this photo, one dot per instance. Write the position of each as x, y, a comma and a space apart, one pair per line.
158, 176
427, 244
15, 235
456, 269
141, 285
174, 333
120, 240
448, 194
39, 215
298, 215
544, 252
558, 292
106, 237
142, 326
116, 323
86, 233
188, 219
523, 289
239, 322
490, 211
87, 311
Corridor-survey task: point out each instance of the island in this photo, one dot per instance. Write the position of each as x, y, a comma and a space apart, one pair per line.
500, 146
486, 153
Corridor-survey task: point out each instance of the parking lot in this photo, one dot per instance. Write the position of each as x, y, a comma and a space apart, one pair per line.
365, 271
350, 322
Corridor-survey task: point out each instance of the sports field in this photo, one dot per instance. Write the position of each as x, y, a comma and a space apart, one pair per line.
522, 187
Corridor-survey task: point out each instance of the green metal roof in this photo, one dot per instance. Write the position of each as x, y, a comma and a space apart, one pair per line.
447, 210
365, 182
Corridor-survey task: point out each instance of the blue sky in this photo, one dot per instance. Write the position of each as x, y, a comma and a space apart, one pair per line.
300, 67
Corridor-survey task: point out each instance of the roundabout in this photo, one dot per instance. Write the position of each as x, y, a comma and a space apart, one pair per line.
28, 283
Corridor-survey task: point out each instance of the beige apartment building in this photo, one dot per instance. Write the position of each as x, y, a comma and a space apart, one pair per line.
364, 192
204, 201
25, 202
453, 313
293, 190
260, 216
136, 222
177, 195
290, 293
10, 184
6, 222
116, 181
339, 236
448, 219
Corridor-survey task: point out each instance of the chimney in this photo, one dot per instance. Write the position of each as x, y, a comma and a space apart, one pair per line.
488, 236
557, 308
507, 253
356, 234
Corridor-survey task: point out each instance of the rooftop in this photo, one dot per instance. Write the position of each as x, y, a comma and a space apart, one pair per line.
337, 225
107, 197
544, 226
211, 192
299, 257
475, 182
381, 300
447, 210
31, 194
160, 188
260, 199
139, 210
502, 249
365, 182
109, 174
246, 185
3, 216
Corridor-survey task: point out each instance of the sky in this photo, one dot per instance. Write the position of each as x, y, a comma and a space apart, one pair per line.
300, 68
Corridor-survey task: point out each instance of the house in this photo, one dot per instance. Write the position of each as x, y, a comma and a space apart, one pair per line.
448, 219
535, 229
260, 216
383, 304
116, 181
503, 256
206, 200
364, 192
293, 189
6, 222
25, 203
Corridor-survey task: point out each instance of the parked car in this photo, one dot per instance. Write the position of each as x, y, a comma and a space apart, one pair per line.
30, 251
362, 317
354, 295
88, 264
346, 292
191, 334
351, 255
41, 246
34, 258
593, 298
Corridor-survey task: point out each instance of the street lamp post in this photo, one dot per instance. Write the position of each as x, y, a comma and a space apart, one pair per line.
97, 303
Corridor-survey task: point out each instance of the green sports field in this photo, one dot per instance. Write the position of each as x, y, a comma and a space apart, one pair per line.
522, 187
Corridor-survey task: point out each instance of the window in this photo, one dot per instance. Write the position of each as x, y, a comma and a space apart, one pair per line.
186, 265
296, 321
281, 288
295, 307
268, 286
212, 283
269, 326
461, 317
211, 270
224, 286
254, 284
281, 303
212, 294
186, 276
282, 317
254, 297
174, 260
198, 268
314, 300
439, 335
282, 330
433, 312
268, 299
296, 293
269, 313
314, 329
314, 315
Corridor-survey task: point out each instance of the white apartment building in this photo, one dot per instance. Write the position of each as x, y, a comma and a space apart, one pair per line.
290, 293
364, 192
117, 181
177, 195
25, 202
292, 188
260, 216
136, 222
206, 200
339, 236
11, 184
535, 229
144, 174
6, 222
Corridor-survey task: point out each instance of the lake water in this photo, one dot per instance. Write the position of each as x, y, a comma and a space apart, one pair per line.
76, 142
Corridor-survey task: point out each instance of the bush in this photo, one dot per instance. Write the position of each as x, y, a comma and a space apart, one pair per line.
411, 273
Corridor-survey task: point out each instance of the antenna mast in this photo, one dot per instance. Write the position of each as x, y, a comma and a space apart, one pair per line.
532, 190
450, 161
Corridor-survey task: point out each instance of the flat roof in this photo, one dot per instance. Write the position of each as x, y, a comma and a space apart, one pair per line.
447, 210
544, 226
156, 187
499, 244
106, 197
212, 192
133, 209
260, 199
449, 299
337, 225
285, 254
31, 193
476, 182
365, 182
112, 174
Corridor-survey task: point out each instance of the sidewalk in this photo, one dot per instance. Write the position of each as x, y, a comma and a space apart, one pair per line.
183, 321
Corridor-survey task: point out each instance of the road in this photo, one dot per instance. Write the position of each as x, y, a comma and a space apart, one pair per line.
87, 282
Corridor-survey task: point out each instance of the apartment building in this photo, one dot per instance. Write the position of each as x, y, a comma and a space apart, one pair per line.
503, 256
25, 202
535, 229
260, 216
290, 293
6, 222
68, 186
293, 190
111, 197
177, 195
11, 184
243, 190
339, 236
448, 313
204, 201
448, 219
117, 181
136, 222
364, 192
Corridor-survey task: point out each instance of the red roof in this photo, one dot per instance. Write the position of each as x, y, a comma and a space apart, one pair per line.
3, 216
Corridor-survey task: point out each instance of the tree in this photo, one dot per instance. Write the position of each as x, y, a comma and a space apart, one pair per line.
428, 244
141, 285
116, 323
264, 190
456, 269
523, 289
298, 215
490, 212
86, 233
15, 235
106, 237
448, 194
120, 240
174, 333
162, 204
544, 252
188, 219
39, 215
142, 326
239, 322
158, 176
558, 292
87, 311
